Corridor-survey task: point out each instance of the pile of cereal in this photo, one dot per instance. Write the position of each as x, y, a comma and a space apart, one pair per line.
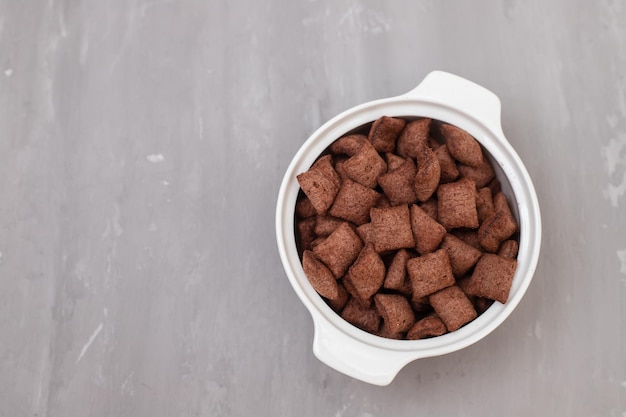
403, 230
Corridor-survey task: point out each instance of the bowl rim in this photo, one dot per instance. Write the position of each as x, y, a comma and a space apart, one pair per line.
505, 161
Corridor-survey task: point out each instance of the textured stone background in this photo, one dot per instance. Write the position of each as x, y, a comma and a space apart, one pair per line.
142, 144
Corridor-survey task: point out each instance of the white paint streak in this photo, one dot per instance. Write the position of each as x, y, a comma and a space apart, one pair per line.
564, 113
107, 230
146, 6
89, 342
615, 153
358, 20
309, 21
200, 128
340, 413
8, 72
621, 254
538, 330
62, 26
128, 386
84, 49
623, 384
621, 88
155, 158
614, 192
109, 264
127, 37
117, 227
39, 392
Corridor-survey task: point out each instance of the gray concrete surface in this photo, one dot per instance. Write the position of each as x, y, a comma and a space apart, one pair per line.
142, 144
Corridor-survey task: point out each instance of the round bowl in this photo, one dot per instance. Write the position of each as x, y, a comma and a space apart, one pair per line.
451, 99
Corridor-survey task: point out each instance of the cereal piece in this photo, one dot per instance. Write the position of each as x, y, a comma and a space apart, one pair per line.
353, 202
342, 298
339, 168
387, 332
433, 143
304, 208
393, 161
365, 232
383, 202
492, 277
428, 174
395, 311
496, 229
367, 273
429, 273
398, 184
365, 166
449, 171
429, 326
421, 305
325, 166
500, 202
481, 304
495, 186
306, 232
319, 276
464, 284
453, 307
413, 138
317, 241
384, 132
320, 189
484, 204
469, 236
392, 228
396, 278
351, 289
430, 207
508, 249
326, 224
462, 146
457, 204
462, 256
365, 318
339, 250
348, 145
427, 233
481, 175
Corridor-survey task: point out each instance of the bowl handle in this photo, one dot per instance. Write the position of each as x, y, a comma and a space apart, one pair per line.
463, 94
355, 358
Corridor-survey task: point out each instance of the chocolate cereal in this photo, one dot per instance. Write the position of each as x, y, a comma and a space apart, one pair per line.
403, 229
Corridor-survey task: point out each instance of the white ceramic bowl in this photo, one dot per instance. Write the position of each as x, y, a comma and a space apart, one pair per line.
447, 98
